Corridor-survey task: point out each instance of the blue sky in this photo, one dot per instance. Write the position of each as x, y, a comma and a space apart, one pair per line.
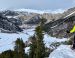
37, 4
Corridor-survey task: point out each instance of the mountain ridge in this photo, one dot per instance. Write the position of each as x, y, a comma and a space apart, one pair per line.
40, 11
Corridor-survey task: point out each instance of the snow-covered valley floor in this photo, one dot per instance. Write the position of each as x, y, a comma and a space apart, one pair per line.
7, 39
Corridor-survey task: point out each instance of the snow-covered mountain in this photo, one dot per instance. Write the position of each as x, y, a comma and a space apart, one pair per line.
23, 18
40, 11
58, 27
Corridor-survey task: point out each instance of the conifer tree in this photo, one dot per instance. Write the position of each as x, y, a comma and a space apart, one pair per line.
7, 54
40, 48
32, 47
37, 48
19, 48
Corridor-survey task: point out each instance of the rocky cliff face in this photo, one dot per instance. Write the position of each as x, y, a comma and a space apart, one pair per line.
7, 25
59, 27
26, 16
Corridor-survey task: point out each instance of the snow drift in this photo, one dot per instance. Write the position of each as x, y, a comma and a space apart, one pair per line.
63, 51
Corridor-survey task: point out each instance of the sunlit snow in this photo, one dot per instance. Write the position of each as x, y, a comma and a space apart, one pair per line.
63, 51
7, 39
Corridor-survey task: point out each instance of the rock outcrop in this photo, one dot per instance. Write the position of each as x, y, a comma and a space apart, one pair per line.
7, 25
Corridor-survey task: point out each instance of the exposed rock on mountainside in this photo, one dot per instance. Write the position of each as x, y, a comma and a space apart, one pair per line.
34, 20
59, 27
27, 20
15, 21
69, 11
9, 13
51, 17
6, 25
26, 16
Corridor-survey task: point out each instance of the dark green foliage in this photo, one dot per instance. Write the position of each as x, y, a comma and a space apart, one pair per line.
32, 47
69, 42
37, 47
48, 51
7, 54
19, 48
18, 52
40, 49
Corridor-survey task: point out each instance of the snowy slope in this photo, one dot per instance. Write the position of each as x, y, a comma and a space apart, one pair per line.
49, 40
7, 39
70, 14
63, 51
65, 17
